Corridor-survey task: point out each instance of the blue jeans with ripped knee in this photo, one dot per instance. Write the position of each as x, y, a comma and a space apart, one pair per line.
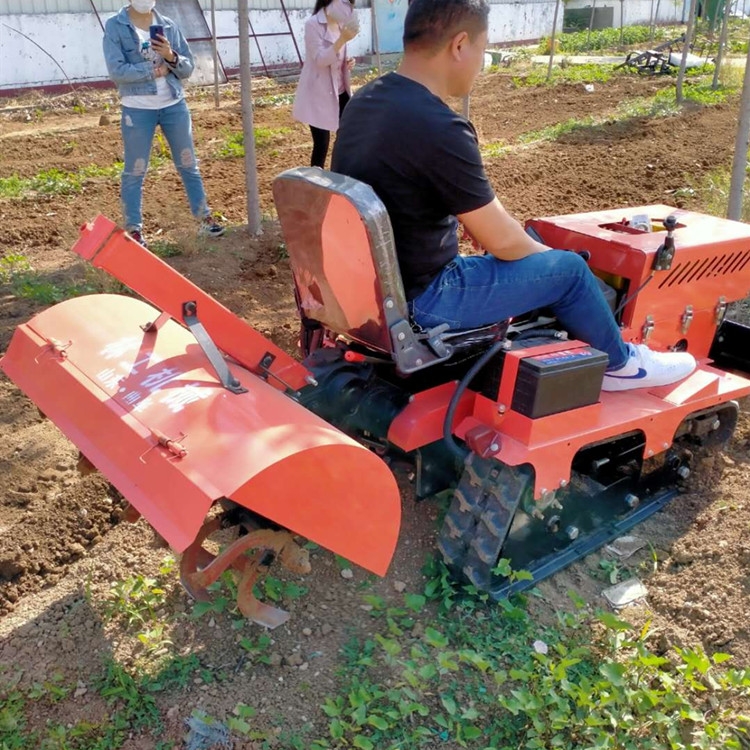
138, 127
473, 291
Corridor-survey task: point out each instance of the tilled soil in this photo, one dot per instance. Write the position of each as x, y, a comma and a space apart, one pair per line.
61, 540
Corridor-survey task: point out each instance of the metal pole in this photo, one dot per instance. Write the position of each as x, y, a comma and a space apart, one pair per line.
552, 40
622, 28
591, 24
722, 43
686, 49
739, 163
246, 87
375, 42
215, 52
651, 23
465, 107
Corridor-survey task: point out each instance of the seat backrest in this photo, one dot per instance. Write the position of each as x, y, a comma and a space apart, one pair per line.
340, 245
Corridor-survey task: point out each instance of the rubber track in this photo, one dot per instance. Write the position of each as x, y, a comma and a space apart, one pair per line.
479, 518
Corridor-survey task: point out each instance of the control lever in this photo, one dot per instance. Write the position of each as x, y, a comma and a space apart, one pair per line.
665, 254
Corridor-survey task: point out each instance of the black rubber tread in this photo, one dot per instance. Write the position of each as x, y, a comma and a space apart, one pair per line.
478, 519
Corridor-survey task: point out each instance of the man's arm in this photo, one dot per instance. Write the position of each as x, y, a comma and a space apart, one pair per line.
499, 233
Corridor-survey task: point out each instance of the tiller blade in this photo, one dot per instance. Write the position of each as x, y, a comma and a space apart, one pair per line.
144, 402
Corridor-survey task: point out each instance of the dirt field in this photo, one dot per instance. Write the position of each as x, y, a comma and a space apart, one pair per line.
61, 541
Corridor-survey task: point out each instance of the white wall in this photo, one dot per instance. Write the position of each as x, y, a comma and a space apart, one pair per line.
638, 12
74, 39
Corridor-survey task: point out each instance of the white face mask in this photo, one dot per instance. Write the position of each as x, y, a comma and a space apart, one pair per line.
339, 11
143, 6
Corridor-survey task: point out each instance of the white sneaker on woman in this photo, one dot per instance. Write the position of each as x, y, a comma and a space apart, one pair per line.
648, 369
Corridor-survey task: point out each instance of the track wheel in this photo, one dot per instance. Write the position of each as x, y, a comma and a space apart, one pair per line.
479, 518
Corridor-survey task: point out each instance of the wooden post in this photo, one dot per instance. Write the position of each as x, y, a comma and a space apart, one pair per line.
686, 49
739, 163
246, 88
722, 43
552, 40
215, 54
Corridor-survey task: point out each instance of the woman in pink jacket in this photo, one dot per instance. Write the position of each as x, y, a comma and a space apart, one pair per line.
324, 86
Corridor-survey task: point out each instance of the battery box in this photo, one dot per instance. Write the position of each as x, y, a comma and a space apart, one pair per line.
559, 381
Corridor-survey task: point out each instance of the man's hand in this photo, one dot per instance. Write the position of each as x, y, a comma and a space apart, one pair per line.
499, 233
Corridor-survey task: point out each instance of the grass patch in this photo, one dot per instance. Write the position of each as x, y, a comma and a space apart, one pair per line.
55, 181
26, 283
485, 675
662, 104
233, 146
602, 39
585, 73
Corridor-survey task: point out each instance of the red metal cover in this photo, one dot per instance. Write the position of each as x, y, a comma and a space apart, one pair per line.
147, 410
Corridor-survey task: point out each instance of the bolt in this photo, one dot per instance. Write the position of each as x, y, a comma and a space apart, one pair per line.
665, 446
632, 501
411, 476
418, 362
401, 336
389, 304
543, 492
494, 447
563, 483
310, 380
572, 533
536, 513
501, 408
683, 472
715, 425
650, 452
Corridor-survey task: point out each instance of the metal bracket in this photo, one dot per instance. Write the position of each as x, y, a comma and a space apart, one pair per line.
206, 343
648, 327
687, 318
721, 310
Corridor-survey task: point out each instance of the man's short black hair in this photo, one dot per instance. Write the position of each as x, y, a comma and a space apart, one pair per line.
431, 23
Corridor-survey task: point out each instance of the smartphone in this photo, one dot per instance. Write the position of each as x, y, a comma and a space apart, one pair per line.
155, 31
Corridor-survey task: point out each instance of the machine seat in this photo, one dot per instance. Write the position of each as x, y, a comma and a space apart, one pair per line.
343, 258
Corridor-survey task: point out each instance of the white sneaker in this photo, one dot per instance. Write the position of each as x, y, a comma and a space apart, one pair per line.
648, 369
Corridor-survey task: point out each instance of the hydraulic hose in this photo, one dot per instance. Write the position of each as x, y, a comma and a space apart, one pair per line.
454, 448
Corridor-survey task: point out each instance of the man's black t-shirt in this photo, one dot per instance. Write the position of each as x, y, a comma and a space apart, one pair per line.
422, 159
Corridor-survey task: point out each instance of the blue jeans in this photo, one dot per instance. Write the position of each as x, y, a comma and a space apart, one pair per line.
138, 127
472, 291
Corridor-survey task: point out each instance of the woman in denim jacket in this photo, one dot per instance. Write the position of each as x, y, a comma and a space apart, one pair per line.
148, 74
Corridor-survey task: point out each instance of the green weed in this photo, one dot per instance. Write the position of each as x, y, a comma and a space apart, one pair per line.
233, 146
55, 181
585, 73
135, 600
165, 249
601, 39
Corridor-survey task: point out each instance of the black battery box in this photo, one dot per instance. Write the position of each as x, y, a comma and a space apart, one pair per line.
559, 381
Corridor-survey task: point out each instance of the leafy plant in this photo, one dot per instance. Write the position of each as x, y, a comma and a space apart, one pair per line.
135, 599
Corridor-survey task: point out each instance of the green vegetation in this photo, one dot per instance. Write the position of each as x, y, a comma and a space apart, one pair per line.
233, 146
26, 283
446, 667
584, 73
579, 42
661, 104
54, 181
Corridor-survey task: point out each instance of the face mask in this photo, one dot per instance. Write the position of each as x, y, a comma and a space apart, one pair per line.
339, 11
143, 6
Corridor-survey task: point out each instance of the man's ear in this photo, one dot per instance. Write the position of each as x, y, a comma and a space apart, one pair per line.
457, 44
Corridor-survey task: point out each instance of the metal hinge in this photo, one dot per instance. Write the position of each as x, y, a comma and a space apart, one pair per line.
687, 318
648, 328
721, 310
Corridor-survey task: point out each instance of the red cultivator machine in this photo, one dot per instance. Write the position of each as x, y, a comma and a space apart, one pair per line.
204, 425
